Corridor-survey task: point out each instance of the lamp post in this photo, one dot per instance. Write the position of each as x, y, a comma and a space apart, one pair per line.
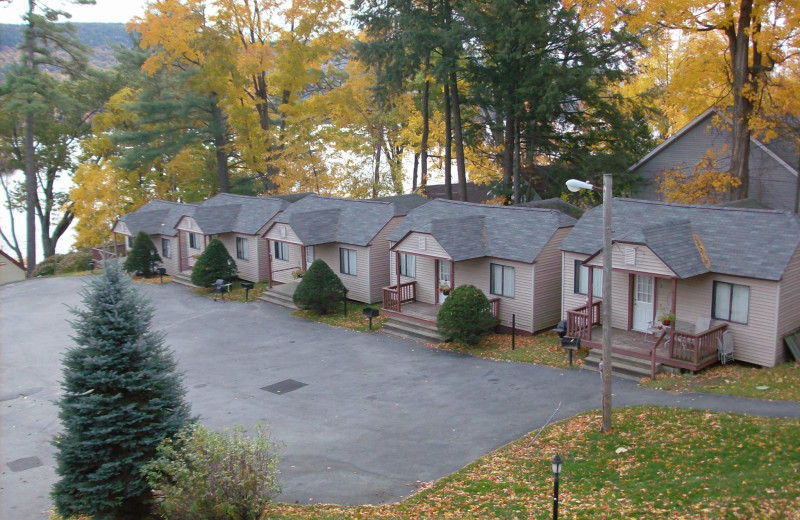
576, 185
556, 462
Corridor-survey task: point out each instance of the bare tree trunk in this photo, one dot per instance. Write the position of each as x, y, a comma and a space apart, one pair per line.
516, 162
30, 163
448, 143
414, 175
738, 45
458, 136
508, 151
423, 147
220, 147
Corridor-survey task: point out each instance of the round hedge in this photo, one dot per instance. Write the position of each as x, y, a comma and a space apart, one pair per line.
213, 264
319, 290
466, 315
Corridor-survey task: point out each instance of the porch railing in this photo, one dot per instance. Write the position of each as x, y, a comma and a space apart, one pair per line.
393, 297
100, 253
696, 347
581, 320
495, 303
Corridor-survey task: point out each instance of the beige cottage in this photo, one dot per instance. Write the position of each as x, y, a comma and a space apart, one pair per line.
715, 269
10, 269
510, 253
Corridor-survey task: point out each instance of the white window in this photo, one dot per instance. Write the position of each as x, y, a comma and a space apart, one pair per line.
241, 248
347, 261
730, 302
130, 242
309, 256
193, 241
582, 280
408, 265
282, 251
502, 280
166, 251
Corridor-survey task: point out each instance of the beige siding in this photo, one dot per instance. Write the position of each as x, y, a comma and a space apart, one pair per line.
379, 263
423, 244
357, 285
193, 254
620, 296
283, 233
755, 341
263, 263
476, 272
426, 278
547, 283
9, 271
247, 269
282, 269
171, 263
619, 289
569, 298
121, 228
789, 305
645, 260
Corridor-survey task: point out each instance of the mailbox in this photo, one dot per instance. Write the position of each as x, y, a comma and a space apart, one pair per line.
247, 286
370, 313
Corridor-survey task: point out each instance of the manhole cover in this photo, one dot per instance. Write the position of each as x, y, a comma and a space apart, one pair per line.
284, 387
24, 464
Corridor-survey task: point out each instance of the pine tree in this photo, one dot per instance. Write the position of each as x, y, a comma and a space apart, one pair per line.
214, 263
319, 289
121, 397
142, 256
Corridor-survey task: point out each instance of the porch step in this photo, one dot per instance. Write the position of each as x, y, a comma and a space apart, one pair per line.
411, 330
626, 367
184, 279
277, 298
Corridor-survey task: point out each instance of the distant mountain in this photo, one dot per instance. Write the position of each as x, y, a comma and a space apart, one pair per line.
102, 38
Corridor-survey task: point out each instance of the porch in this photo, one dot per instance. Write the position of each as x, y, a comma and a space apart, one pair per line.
678, 346
403, 302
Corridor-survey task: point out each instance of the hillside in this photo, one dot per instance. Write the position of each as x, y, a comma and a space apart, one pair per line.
102, 38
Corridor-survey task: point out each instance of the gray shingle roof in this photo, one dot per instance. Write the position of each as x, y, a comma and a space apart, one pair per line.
403, 204
229, 213
466, 230
741, 242
157, 217
322, 220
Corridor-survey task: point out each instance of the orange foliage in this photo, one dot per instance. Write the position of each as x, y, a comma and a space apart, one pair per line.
704, 185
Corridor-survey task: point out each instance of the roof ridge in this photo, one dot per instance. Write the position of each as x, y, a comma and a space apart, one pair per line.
699, 206
371, 201
496, 206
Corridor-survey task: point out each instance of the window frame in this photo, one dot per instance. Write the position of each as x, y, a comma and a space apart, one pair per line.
503, 269
597, 281
193, 244
352, 261
405, 264
280, 251
166, 252
130, 241
730, 302
242, 249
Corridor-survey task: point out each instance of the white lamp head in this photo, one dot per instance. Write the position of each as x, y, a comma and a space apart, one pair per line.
574, 185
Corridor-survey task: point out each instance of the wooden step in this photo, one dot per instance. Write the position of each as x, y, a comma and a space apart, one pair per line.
184, 279
411, 330
626, 367
277, 298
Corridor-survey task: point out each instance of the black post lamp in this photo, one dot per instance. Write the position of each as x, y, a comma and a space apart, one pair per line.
247, 286
556, 462
345, 302
161, 272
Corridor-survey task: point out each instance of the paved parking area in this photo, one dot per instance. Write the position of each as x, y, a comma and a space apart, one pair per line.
376, 416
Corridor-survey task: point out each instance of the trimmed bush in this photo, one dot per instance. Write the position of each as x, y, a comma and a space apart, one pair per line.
207, 475
73, 262
466, 315
142, 256
319, 290
214, 263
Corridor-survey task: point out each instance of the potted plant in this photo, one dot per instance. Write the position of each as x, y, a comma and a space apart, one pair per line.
444, 289
297, 274
666, 318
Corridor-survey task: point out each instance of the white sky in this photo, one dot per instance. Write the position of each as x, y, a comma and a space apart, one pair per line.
103, 10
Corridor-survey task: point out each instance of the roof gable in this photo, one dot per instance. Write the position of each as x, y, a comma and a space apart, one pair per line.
157, 217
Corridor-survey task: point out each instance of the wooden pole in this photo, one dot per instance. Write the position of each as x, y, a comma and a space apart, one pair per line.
606, 375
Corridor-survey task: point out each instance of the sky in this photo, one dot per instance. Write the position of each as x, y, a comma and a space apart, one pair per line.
120, 11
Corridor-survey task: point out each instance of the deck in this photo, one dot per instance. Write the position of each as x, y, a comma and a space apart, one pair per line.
403, 302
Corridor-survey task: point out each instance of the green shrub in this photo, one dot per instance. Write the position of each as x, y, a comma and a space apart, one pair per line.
206, 475
142, 256
466, 315
47, 267
214, 263
319, 290
74, 262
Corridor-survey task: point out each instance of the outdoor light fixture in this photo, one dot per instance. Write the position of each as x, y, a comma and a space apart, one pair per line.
556, 462
605, 367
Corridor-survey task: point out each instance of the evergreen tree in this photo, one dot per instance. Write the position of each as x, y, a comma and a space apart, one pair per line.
466, 315
320, 288
142, 256
121, 397
214, 263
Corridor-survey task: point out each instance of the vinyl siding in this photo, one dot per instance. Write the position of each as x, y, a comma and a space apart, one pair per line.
10, 272
170, 264
477, 272
755, 341
411, 244
426, 277
247, 269
547, 283
357, 286
645, 262
569, 298
379, 262
789, 305
290, 236
282, 269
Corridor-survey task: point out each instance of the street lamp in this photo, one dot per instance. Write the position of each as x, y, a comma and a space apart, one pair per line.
556, 462
576, 185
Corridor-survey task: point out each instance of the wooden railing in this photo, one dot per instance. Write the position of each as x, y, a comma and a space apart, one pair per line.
581, 320
393, 298
495, 303
100, 253
696, 347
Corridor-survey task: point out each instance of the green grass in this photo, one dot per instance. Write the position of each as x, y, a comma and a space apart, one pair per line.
541, 349
354, 320
657, 463
782, 382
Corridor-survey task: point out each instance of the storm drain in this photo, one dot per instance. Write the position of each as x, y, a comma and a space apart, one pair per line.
284, 387
24, 464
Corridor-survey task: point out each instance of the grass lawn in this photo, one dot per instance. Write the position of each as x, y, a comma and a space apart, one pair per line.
780, 383
657, 463
542, 349
237, 294
355, 319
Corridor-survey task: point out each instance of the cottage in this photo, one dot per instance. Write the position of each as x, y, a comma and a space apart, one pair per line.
158, 219
10, 269
709, 269
348, 234
773, 164
509, 252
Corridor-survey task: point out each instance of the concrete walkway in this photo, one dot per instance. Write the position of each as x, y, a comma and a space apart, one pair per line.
376, 415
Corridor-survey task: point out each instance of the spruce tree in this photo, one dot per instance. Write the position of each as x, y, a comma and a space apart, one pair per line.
121, 397
319, 290
142, 255
214, 263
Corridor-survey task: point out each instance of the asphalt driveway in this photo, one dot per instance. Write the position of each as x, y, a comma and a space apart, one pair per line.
377, 415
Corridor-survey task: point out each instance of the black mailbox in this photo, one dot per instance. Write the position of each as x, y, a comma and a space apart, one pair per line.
370, 313
161, 272
570, 345
247, 286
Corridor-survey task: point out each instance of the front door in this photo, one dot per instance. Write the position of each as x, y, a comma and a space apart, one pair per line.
643, 292
444, 279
